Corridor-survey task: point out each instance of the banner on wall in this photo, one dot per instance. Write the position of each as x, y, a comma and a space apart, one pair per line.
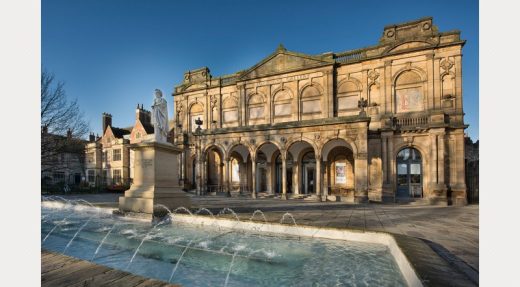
340, 173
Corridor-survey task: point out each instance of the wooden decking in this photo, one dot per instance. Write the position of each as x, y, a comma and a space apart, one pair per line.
62, 270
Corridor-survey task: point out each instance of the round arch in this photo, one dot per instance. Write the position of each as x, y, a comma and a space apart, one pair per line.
315, 85
355, 81
333, 142
419, 71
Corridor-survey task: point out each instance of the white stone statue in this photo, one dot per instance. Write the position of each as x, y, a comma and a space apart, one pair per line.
160, 117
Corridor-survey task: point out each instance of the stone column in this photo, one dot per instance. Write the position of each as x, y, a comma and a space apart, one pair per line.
253, 176
268, 175
242, 105
384, 157
437, 188
284, 176
433, 158
204, 176
458, 183
326, 181
430, 95
387, 89
388, 194
361, 178
296, 177
198, 175
391, 163
227, 177
318, 176
330, 98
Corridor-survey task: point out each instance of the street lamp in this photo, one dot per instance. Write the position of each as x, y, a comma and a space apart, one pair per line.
198, 133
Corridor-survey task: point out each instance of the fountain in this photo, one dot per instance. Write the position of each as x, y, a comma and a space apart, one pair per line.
179, 261
223, 211
76, 234
258, 211
103, 241
143, 240
224, 251
206, 210
230, 267
290, 216
181, 208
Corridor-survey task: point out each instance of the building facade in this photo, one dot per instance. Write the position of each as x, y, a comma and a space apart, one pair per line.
62, 159
109, 159
381, 123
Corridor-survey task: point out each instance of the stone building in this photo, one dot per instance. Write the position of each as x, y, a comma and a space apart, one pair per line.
381, 123
472, 169
109, 159
62, 159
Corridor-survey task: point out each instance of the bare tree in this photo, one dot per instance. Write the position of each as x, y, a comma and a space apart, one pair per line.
63, 125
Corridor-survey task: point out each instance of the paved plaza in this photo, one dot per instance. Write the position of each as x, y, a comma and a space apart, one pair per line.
451, 231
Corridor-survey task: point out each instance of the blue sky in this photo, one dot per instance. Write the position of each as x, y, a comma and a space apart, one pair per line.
112, 54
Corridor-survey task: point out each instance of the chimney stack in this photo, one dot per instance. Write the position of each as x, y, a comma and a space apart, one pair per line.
69, 134
143, 115
91, 137
106, 121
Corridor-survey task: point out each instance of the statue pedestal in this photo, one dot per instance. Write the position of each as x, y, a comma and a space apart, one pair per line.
156, 179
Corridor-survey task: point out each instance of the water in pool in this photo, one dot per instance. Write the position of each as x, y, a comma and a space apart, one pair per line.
195, 256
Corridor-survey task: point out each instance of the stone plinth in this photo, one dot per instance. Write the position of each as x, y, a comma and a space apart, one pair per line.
156, 179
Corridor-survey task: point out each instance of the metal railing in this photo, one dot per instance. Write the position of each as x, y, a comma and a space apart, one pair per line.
350, 57
412, 121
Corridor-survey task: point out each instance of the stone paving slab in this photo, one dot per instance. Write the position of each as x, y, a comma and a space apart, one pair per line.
61, 270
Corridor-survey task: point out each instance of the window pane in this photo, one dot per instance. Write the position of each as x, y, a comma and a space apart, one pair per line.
415, 168
402, 179
402, 168
415, 178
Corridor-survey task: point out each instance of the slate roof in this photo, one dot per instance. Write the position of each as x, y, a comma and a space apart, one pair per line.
119, 132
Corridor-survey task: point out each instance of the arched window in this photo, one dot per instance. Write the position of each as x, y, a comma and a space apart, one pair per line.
230, 111
409, 93
311, 102
196, 111
282, 106
409, 173
256, 108
348, 96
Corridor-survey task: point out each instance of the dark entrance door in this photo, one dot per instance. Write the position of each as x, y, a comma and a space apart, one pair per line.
409, 173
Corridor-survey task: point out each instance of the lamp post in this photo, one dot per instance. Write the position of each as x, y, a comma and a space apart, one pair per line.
198, 133
182, 165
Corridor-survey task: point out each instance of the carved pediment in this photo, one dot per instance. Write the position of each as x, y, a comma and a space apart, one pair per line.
283, 61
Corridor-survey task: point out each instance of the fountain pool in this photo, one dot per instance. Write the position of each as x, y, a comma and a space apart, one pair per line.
191, 250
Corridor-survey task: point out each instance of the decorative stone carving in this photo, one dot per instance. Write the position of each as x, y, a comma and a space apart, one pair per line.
409, 140
373, 75
446, 64
213, 102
